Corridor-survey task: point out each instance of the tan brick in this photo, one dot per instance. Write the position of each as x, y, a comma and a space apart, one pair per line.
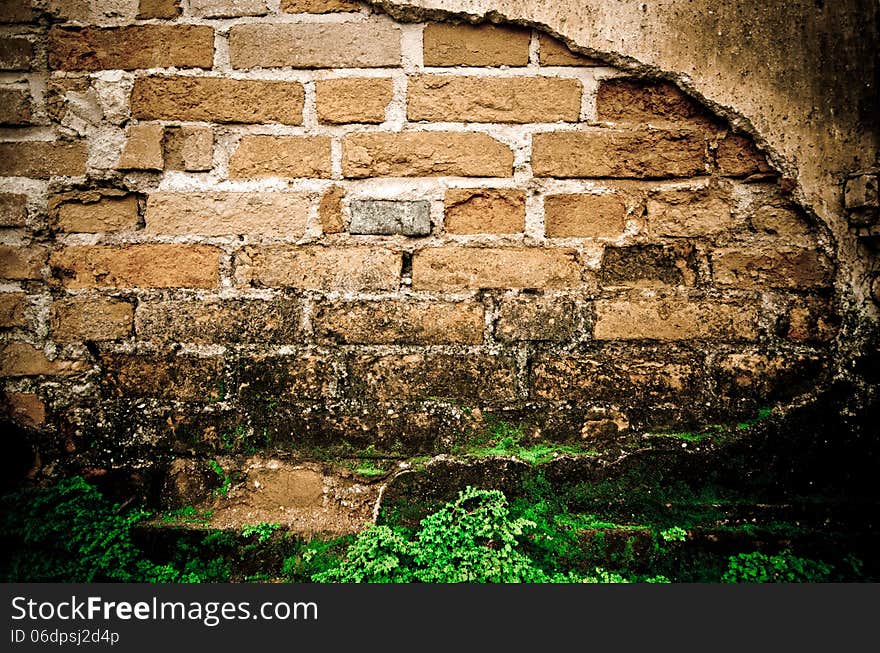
325, 268
394, 322
737, 156
131, 48
16, 11
189, 148
287, 378
227, 8
359, 99
493, 99
315, 45
485, 211
430, 154
24, 408
462, 268
76, 319
12, 309
649, 265
537, 317
221, 321
638, 101
222, 213
15, 106
183, 378
65, 95
21, 262
16, 53
95, 214
475, 45
318, 6
22, 359
330, 210
684, 212
13, 210
584, 215
215, 99
674, 317
143, 149
281, 156
553, 52
42, 159
428, 376
158, 9
136, 266
782, 268
812, 319
643, 154
776, 216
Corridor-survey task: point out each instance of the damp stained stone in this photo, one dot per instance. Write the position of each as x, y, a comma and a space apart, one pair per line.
389, 217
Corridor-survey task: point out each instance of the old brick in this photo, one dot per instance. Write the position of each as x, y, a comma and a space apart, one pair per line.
315, 45
767, 377
685, 212
221, 213
318, 6
475, 45
493, 99
16, 11
227, 8
281, 156
394, 322
221, 321
21, 262
325, 268
426, 376
287, 378
12, 309
552, 52
737, 156
635, 101
70, 96
130, 48
184, 378
16, 53
584, 215
388, 217
537, 317
649, 265
13, 210
359, 99
330, 210
781, 268
143, 149
414, 154
15, 106
484, 211
643, 154
674, 317
136, 266
42, 159
215, 99
812, 319
461, 268
189, 148
22, 359
158, 9
776, 216
76, 319
95, 214
24, 408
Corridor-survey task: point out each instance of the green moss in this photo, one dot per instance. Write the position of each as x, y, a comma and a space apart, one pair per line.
503, 439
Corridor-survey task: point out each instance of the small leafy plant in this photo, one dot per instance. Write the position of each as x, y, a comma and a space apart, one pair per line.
784, 567
263, 530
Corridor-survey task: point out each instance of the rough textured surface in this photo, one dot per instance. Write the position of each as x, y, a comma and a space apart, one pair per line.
349, 268
143, 148
281, 156
475, 45
15, 106
13, 210
88, 318
353, 100
42, 159
94, 214
484, 211
386, 217
584, 216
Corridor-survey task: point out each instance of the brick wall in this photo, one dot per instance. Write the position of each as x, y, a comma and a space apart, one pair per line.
308, 225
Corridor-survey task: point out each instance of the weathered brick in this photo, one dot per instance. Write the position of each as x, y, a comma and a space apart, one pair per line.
737, 156
318, 6
649, 265
94, 213
215, 99
220, 321
388, 217
674, 317
16, 11
325, 268
184, 378
643, 154
15, 106
460, 268
781, 268
552, 52
427, 376
493, 99
395, 322
76, 319
315, 45
475, 45
484, 211
765, 378
24, 408
812, 319
684, 212
330, 210
22, 359
222, 213
636, 101
16, 53
227, 8
158, 9
776, 216
284, 379
537, 317
143, 148
21, 262
189, 148
584, 215
359, 99
12, 309
69, 96
136, 266
42, 159
414, 154
13, 210
131, 48
281, 156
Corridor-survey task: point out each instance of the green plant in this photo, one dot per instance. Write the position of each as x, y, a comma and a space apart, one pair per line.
263, 530
784, 567
225, 480
674, 534
503, 439
188, 515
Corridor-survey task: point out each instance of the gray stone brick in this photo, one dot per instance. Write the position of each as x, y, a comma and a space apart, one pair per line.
387, 217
